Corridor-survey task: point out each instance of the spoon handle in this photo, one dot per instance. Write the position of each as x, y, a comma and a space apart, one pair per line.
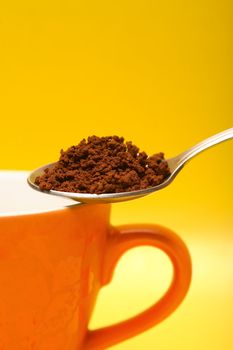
182, 158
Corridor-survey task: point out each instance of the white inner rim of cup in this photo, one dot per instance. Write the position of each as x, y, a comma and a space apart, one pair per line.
18, 198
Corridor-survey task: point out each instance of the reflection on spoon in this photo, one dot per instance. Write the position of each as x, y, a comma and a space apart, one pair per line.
175, 164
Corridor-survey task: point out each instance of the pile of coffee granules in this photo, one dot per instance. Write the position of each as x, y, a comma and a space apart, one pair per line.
104, 165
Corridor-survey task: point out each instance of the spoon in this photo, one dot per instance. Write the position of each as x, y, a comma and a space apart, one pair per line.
175, 164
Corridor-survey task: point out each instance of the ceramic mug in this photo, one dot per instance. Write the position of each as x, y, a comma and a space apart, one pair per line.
53, 264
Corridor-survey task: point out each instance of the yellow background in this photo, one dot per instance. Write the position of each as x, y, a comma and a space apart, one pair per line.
160, 74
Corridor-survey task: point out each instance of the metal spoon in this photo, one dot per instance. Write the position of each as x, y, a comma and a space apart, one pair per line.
175, 165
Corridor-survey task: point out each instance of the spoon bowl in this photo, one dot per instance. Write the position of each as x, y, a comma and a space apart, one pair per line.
175, 165
91, 198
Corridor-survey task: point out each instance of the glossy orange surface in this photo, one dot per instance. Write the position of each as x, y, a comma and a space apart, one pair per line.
52, 267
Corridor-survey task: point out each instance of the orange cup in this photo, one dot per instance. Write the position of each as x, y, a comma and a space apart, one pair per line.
52, 266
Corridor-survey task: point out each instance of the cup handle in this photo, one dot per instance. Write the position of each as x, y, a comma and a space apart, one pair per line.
122, 239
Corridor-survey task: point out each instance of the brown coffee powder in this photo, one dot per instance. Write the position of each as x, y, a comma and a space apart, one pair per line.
104, 165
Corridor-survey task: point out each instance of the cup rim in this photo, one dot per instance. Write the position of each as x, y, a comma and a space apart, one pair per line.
16, 213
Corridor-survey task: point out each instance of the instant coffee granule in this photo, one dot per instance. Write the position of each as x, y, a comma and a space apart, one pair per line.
104, 165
